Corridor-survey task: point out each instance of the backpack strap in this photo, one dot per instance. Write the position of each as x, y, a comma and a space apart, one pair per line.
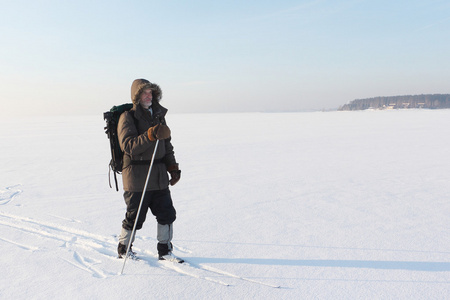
115, 179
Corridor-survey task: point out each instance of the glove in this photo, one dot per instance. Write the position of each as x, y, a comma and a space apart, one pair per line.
175, 174
158, 132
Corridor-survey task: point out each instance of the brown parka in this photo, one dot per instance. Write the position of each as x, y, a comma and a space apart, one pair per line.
138, 148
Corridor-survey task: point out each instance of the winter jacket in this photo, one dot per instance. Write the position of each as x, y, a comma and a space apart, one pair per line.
138, 149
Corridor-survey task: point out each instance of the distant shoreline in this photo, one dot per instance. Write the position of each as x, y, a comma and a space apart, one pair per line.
430, 101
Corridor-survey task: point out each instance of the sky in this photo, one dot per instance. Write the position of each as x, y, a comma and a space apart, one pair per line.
80, 57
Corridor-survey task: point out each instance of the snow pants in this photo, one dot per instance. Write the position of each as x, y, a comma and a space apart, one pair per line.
161, 206
159, 202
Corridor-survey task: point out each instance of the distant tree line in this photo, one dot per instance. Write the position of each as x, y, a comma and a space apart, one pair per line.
435, 101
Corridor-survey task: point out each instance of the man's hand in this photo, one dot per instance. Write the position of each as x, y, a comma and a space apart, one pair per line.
175, 174
158, 132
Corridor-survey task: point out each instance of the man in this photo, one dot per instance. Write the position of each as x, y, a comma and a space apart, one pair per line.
138, 130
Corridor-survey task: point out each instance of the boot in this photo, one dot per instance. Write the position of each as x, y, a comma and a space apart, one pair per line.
121, 249
124, 239
164, 236
165, 253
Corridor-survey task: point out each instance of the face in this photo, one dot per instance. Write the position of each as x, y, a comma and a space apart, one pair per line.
146, 98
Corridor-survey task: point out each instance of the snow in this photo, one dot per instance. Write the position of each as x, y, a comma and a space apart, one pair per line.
326, 205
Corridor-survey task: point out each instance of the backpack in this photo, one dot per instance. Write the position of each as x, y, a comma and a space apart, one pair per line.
112, 120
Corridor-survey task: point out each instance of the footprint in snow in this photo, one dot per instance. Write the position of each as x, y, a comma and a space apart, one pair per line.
9, 193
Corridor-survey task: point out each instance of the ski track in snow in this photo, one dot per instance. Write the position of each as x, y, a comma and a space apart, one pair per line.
22, 246
104, 247
65, 219
87, 264
9, 193
55, 232
204, 272
70, 238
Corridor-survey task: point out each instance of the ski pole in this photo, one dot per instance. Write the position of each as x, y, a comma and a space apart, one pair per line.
140, 205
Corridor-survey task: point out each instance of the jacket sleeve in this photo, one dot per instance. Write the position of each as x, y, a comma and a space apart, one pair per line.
169, 158
131, 142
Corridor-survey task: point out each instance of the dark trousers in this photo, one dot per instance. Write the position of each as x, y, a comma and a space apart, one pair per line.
159, 202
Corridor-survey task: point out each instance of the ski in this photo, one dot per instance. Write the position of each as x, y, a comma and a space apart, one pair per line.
186, 269
182, 268
225, 273
171, 258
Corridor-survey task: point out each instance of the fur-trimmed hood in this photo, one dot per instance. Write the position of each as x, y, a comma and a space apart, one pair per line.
139, 85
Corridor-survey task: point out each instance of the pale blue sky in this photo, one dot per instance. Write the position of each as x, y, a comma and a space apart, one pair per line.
64, 57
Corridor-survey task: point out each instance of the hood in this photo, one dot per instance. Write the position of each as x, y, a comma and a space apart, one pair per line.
139, 85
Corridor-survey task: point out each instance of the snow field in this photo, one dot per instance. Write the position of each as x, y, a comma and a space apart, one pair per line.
327, 205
